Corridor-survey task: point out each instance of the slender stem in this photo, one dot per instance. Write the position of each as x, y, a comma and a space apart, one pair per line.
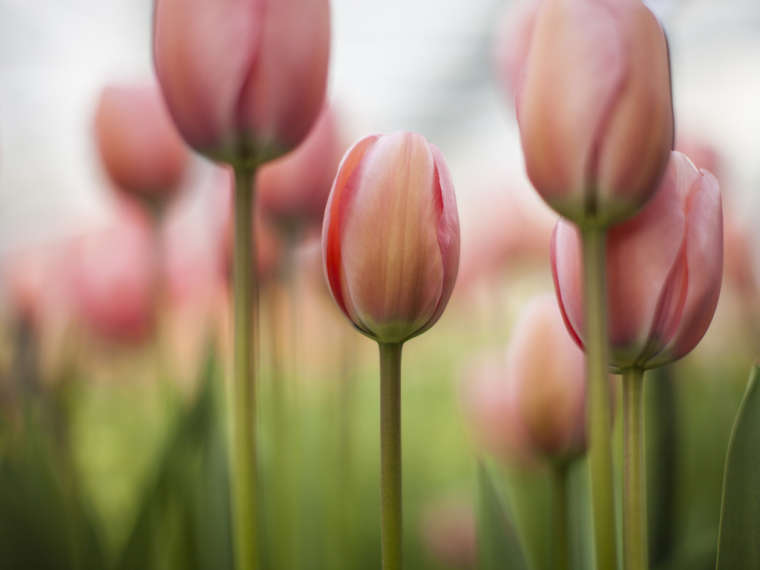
599, 420
560, 516
242, 404
634, 484
390, 454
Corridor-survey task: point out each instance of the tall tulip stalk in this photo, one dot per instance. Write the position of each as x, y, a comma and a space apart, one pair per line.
664, 279
390, 246
244, 82
594, 107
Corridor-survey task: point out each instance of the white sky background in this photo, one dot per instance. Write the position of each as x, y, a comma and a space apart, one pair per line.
397, 64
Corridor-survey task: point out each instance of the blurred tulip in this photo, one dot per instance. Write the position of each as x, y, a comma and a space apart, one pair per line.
502, 231
702, 153
138, 143
390, 238
113, 278
491, 410
550, 392
243, 79
448, 530
664, 270
293, 190
268, 245
513, 42
594, 107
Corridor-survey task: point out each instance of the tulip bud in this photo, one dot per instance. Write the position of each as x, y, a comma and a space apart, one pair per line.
594, 107
243, 79
139, 145
664, 271
390, 238
491, 410
550, 392
292, 190
114, 279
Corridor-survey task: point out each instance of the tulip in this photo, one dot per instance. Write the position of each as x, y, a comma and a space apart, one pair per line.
665, 268
665, 271
243, 79
138, 144
390, 238
390, 245
293, 190
594, 107
491, 410
114, 279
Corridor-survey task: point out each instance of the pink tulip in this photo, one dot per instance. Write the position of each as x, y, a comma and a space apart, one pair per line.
390, 238
243, 79
114, 277
594, 107
140, 147
664, 270
548, 371
293, 190
491, 410
512, 43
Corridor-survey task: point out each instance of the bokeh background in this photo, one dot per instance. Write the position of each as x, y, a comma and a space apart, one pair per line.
126, 468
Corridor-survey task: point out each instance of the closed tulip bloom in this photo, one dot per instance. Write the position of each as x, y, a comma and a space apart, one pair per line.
664, 271
594, 107
141, 150
113, 279
550, 392
390, 238
243, 79
292, 190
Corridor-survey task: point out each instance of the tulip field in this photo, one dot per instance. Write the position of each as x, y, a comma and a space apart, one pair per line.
281, 300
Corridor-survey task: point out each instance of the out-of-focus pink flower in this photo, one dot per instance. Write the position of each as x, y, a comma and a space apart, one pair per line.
114, 278
138, 143
594, 107
550, 391
390, 238
523, 404
503, 230
491, 409
243, 79
268, 245
664, 270
293, 190
513, 42
449, 532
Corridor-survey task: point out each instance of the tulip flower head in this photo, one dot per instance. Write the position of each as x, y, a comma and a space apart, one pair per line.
594, 107
114, 279
141, 150
523, 405
244, 80
292, 190
390, 238
664, 271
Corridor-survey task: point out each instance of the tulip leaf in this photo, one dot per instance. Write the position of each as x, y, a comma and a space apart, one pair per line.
499, 546
739, 535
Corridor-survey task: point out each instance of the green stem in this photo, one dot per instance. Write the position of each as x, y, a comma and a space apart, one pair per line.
599, 420
390, 454
560, 516
242, 404
634, 484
